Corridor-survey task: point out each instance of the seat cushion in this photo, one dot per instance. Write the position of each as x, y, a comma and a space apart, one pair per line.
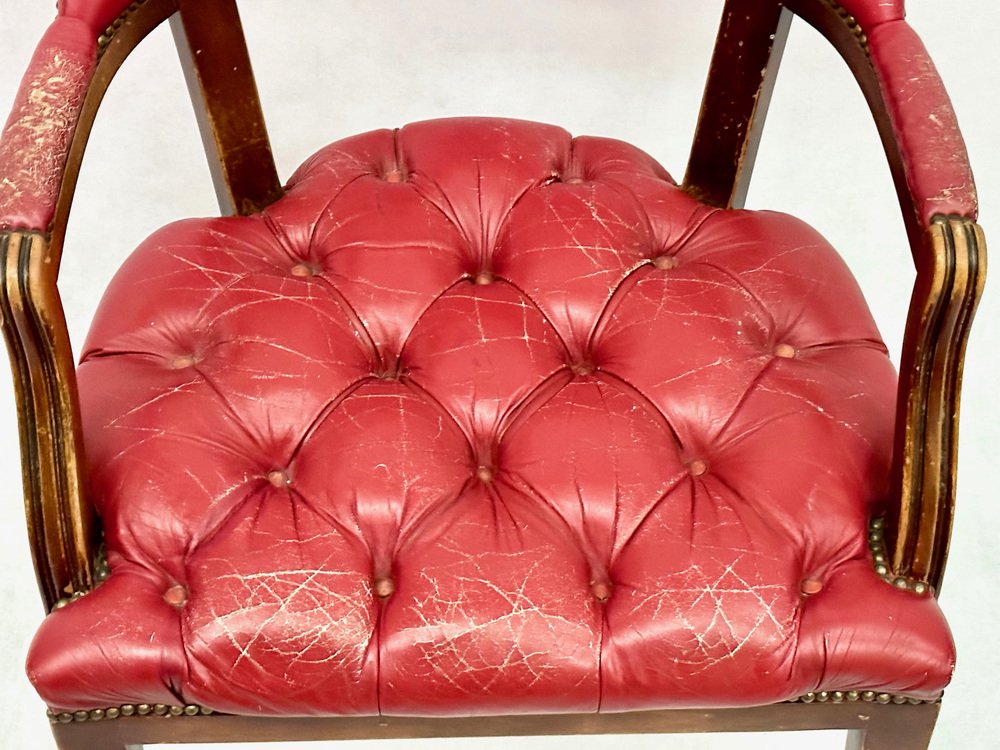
482, 418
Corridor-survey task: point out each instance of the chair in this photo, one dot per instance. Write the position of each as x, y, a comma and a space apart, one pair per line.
474, 428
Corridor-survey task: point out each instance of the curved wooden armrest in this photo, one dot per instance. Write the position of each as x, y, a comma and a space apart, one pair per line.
937, 194
41, 150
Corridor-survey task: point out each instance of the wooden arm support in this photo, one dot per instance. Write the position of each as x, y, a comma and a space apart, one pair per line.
41, 151
59, 98
60, 520
937, 195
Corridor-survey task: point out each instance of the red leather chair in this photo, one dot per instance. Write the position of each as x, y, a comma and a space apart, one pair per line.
476, 428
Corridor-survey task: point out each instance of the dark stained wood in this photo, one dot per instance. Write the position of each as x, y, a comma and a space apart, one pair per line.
896, 731
60, 522
907, 724
950, 278
213, 52
741, 78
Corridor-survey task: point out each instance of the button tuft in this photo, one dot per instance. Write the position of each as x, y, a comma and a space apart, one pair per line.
384, 587
176, 595
394, 176
785, 351
183, 361
484, 474
484, 277
665, 262
601, 590
303, 269
811, 586
698, 467
279, 478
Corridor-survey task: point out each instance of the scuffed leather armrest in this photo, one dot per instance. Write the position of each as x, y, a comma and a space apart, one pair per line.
36, 140
932, 152
937, 194
934, 159
916, 121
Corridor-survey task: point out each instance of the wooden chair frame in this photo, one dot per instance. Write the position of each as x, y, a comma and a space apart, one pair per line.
948, 251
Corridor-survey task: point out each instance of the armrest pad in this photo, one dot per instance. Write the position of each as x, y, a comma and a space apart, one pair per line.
97, 14
871, 13
36, 139
934, 158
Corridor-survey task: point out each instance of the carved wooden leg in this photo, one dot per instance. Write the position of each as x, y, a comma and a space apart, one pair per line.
905, 728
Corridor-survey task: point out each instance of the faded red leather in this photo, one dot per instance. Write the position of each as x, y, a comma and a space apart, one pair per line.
480, 418
934, 154
35, 141
871, 13
97, 14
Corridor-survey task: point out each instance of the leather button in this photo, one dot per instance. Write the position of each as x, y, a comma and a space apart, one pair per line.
811, 586
394, 176
601, 590
583, 368
303, 269
484, 474
665, 262
697, 467
279, 478
785, 351
484, 277
183, 361
176, 596
384, 587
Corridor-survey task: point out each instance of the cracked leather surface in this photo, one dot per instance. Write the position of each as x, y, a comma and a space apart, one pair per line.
935, 161
480, 418
36, 137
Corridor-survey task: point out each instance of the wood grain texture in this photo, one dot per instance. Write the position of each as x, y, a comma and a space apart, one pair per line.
741, 78
216, 65
60, 520
950, 277
870, 726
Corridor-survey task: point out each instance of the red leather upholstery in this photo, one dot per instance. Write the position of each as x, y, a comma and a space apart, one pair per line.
480, 418
870, 13
36, 138
97, 14
924, 123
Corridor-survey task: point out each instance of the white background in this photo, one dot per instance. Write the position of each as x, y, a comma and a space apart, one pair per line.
631, 70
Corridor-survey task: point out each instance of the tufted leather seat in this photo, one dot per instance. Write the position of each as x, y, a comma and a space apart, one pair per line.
482, 418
